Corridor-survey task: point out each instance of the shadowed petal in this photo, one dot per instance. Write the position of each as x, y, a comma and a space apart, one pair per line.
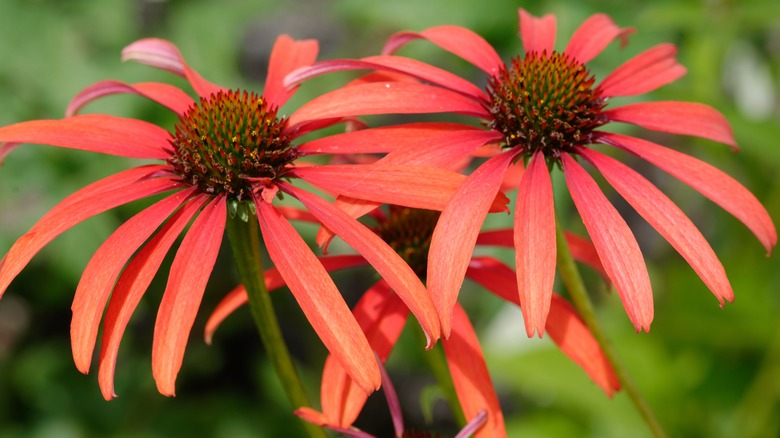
470, 375
645, 72
383, 258
96, 198
132, 285
318, 297
385, 98
95, 133
163, 54
273, 280
686, 118
286, 56
166, 95
456, 40
190, 272
593, 35
534, 237
104, 267
563, 325
456, 233
538, 34
660, 212
705, 179
614, 242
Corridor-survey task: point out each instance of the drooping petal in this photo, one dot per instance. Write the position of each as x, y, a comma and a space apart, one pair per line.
538, 34
166, 95
534, 237
273, 280
96, 198
456, 40
95, 133
645, 72
163, 54
456, 233
705, 179
686, 118
104, 267
383, 258
660, 212
593, 35
296, 214
385, 98
190, 272
132, 285
470, 375
287, 55
563, 325
318, 298
382, 316
614, 242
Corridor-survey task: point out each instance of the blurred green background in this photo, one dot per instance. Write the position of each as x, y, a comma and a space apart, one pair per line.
706, 372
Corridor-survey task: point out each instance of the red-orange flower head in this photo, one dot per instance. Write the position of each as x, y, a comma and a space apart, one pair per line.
229, 139
408, 231
545, 102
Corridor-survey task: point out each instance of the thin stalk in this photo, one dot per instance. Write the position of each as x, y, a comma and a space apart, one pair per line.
244, 235
576, 288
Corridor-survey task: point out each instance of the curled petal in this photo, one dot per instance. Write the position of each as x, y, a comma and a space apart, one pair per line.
190, 272
593, 35
132, 285
166, 95
705, 179
614, 242
538, 34
286, 56
163, 54
96, 198
101, 133
534, 238
318, 298
684, 118
645, 72
456, 40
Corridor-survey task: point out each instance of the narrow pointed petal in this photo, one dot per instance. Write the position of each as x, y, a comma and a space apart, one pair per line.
383, 258
166, 95
471, 377
132, 285
318, 298
705, 179
100, 133
104, 267
163, 54
273, 280
614, 242
382, 316
287, 55
296, 214
190, 272
96, 198
593, 35
385, 98
456, 40
456, 233
6, 148
538, 34
660, 212
473, 425
686, 118
563, 325
534, 237
645, 72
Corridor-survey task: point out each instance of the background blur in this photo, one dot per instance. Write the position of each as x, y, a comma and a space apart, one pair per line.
705, 371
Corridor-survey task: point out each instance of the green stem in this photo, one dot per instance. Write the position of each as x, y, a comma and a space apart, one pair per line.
576, 288
243, 233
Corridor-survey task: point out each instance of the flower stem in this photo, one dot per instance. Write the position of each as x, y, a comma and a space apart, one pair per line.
576, 288
243, 233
